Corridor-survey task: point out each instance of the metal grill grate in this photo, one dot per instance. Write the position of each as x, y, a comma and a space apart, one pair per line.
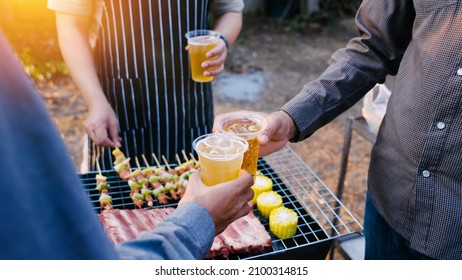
322, 217
313, 195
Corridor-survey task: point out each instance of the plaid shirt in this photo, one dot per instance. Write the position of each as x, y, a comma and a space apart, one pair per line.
415, 177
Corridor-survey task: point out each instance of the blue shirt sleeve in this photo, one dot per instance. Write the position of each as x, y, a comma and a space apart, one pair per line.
45, 213
187, 233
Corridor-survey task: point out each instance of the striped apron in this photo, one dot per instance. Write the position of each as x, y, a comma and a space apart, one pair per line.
144, 71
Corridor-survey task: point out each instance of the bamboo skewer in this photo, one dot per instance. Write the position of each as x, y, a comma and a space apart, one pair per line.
193, 158
184, 155
178, 159
166, 162
98, 167
145, 160
137, 163
156, 160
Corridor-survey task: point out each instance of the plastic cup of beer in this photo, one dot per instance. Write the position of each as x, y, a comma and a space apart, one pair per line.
220, 157
246, 125
200, 42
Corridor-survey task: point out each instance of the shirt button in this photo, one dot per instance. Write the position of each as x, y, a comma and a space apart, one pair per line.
440, 125
426, 173
459, 72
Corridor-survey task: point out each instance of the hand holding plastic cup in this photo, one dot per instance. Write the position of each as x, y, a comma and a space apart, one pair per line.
220, 157
200, 42
246, 125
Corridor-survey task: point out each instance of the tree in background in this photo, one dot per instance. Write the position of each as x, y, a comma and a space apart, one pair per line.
30, 27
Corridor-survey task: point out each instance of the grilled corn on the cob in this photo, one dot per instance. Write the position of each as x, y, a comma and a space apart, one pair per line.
268, 201
283, 222
262, 184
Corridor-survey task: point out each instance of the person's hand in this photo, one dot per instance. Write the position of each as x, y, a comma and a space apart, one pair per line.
279, 129
102, 126
225, 202
215, 63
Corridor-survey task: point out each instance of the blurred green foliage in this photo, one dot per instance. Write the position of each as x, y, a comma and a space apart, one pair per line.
30, 28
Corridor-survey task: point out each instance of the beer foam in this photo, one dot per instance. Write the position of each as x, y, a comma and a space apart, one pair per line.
221, 146
203, 40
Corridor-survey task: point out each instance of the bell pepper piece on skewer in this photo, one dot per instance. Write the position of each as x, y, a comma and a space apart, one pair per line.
106, 201
138, 199
171, 188
159, 193
123, 169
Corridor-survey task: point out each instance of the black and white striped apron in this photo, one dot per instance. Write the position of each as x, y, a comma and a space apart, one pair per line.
144, 70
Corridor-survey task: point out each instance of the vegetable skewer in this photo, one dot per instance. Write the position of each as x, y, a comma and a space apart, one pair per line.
121, 164
170, 180
136, 182
145, 190
163, 183
155, 181
102, 186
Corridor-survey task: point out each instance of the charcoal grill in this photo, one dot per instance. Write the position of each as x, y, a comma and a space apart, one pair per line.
322, 217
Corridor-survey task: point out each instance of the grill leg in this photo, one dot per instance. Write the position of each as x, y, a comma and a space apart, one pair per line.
342, 173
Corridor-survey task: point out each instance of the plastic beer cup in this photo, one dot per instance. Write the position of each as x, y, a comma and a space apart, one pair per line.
200, 42
246, 125
220, 157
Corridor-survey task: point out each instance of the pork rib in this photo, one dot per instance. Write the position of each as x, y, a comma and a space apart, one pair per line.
245, 235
